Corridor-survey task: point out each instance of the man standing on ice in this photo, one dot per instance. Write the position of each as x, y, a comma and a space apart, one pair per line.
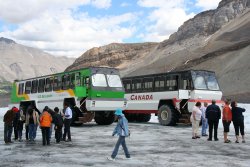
213, 114
122, 131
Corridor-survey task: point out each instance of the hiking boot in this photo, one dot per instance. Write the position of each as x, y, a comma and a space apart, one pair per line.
111, 159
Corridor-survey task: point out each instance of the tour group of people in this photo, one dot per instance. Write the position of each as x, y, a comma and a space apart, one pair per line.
210, 115
31, 118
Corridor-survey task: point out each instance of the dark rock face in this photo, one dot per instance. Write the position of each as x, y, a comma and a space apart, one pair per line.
112, 55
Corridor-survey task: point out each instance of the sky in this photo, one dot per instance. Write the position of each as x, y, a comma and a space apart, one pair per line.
71, 27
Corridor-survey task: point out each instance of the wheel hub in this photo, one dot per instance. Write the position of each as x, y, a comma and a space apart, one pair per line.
164, 115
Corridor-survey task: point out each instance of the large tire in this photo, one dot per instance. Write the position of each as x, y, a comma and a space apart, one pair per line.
131, 117
143, 117
167, 116
104, 118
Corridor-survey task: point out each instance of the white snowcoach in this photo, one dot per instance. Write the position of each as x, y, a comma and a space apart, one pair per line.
170, 95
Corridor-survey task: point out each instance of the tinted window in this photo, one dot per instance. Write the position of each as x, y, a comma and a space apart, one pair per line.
49, 82
147, 84
28, 87
41, 83
159, 83
127, 85
65, 82
34, 86
137, 85
57, 83
78, 79
20, 88
72, 81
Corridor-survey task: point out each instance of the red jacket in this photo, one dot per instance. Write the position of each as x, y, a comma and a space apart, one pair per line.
227, 113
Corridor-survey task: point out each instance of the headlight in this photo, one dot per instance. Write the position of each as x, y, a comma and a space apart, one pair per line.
93, 103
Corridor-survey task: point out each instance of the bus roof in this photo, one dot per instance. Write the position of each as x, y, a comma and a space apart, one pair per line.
65, 72
164, 73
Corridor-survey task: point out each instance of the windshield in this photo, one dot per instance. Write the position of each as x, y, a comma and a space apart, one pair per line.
114, 81
99, 80
205, 80
212, 83
199, 80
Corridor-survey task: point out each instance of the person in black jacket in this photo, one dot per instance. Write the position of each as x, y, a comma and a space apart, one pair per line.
58, 121
213, 114
238, 121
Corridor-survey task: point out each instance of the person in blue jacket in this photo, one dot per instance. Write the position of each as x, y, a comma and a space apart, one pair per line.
122, 131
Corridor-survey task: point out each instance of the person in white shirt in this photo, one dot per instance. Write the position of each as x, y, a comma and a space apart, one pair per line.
195, 119
67, 122
204, 120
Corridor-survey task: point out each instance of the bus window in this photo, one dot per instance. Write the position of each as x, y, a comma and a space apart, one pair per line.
185, 82
127, 85
86, 82
28, 87
41, 85
137, 85
78, 79
99, 80
114, 81
212, 83
159, 83
65, 82
34, 86
57, 83
172, 82
72, 81
198, 80
20, 88
147, 84
48, 86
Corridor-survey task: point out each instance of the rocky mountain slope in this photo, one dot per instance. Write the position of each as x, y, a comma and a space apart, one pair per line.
21, 62
217, 40
113, 55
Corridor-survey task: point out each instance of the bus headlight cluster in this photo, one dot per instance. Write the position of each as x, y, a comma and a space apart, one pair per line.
125, 103
93, 103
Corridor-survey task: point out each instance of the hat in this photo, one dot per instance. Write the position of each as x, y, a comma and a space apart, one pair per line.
15, 109
118, 111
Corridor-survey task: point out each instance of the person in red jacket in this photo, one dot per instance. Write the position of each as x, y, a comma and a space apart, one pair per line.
45, 123
226, 120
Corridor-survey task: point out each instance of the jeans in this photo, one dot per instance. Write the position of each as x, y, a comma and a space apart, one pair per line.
120, 141
35, 131
204, 126
7, 132
67, 123
51, 130
213, 124
32, 131
45, 134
